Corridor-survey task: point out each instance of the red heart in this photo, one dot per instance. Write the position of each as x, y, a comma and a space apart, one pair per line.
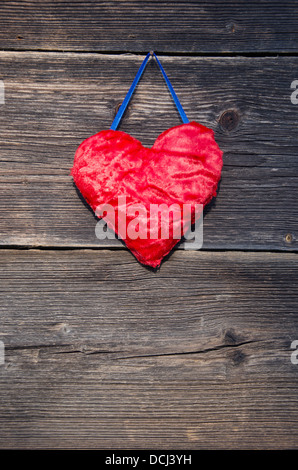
183, 167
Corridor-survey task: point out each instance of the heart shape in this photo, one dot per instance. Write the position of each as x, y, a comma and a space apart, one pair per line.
183, 167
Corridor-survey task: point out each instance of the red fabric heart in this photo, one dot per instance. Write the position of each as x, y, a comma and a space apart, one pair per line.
183, 167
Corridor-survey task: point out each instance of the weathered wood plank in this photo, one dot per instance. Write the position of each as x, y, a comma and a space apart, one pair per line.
138, 26
103, 353
53, 101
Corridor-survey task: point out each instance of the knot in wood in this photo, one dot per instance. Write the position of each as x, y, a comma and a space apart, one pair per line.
229, 120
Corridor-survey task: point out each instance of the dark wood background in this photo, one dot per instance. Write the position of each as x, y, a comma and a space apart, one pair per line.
101, 352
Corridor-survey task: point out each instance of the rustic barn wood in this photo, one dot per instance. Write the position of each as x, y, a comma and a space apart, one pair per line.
192, 26
101, 352
54, 101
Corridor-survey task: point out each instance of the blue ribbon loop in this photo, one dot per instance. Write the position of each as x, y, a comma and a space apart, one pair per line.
126, 100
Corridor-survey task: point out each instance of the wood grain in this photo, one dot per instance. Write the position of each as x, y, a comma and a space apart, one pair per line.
101, 352
54, 101
192, 27
104, 353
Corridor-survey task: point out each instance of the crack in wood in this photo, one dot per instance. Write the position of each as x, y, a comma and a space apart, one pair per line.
34, 346
88, 352
186, 353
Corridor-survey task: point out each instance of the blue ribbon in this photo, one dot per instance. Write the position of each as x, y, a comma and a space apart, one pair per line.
126, 100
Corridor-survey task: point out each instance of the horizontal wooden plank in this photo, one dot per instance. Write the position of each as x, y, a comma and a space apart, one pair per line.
100, 352
134, 26
54, 101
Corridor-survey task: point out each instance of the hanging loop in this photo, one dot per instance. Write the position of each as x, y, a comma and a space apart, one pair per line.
126, 100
